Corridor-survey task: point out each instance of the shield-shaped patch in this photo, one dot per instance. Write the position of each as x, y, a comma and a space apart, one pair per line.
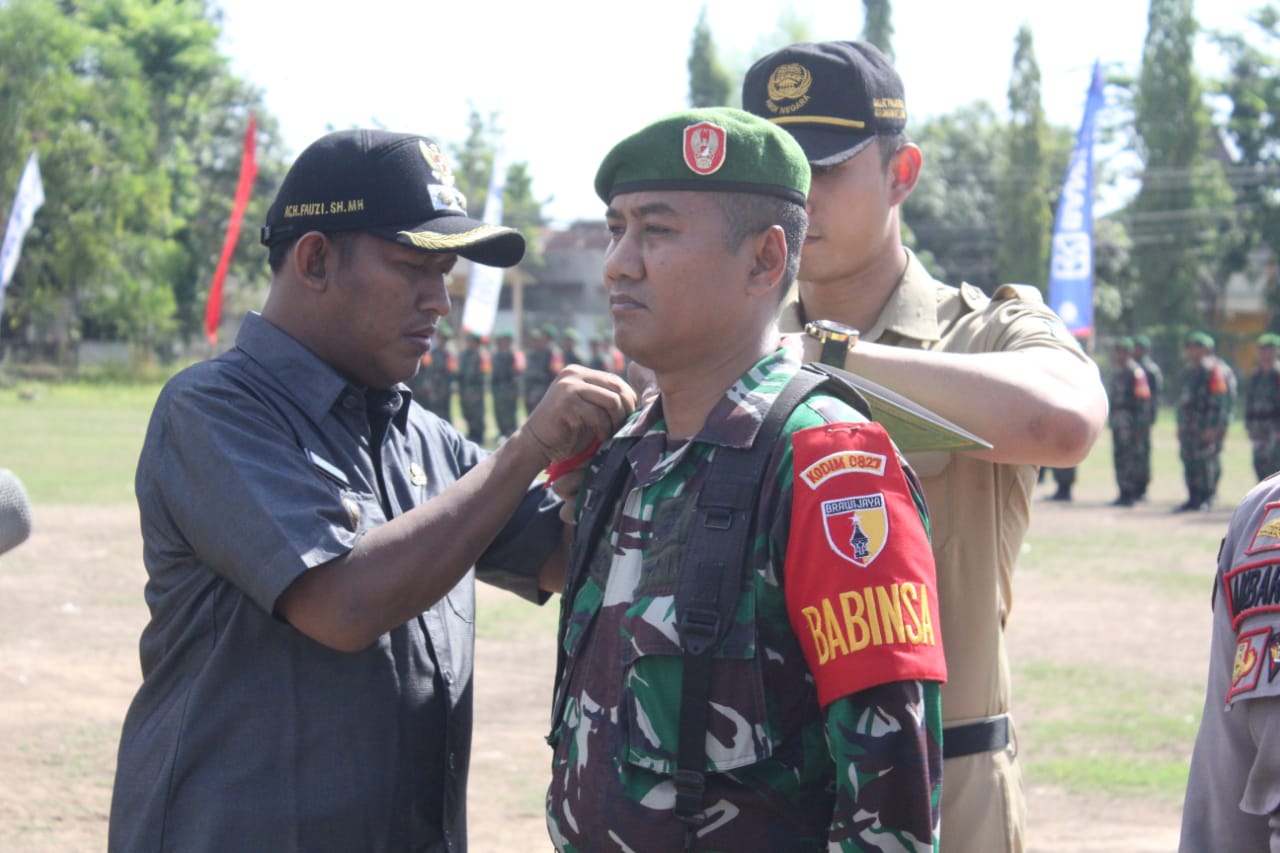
857, 527
704, 145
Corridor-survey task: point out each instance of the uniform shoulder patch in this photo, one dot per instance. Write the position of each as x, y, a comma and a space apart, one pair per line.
1251, 589
860, 580
1252, 649
1267, 536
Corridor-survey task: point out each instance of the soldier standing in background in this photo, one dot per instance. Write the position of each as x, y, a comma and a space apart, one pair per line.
1155, 381
1204, 410
1130, 399
508, 368
1262, 408
569, 340
433, 386
597, 360
542, 363
474, 368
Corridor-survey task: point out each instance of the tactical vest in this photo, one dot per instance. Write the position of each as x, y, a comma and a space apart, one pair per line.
713, 572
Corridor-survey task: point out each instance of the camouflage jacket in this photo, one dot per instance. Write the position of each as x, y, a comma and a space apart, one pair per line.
474, 367
792, 762
1262, 404
1129, 398
1208, 390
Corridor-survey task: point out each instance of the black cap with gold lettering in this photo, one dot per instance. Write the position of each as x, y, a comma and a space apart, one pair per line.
398, 186
834, 97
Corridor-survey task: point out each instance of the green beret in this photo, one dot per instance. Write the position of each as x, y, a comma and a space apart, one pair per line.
1200, 338
504, 334
550, 331
718, 149
1269, 339
1142, 341
1125, 343
572, 334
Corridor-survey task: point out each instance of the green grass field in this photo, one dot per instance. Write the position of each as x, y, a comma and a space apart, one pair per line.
1125, 730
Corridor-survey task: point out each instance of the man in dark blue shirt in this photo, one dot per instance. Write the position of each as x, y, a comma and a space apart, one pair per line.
310, 534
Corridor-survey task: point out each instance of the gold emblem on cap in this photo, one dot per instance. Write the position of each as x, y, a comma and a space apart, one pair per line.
437, 161
416, 475
788, 82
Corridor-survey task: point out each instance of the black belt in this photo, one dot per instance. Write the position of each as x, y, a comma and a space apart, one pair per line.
972, 738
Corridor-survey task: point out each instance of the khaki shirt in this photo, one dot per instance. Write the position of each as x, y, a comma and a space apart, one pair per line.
979, 510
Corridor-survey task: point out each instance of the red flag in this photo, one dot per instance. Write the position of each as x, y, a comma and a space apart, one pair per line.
248, 171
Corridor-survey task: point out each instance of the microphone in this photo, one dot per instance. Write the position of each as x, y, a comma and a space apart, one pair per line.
15, 511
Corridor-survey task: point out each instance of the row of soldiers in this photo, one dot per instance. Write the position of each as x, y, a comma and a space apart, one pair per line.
505, 373
1204, 409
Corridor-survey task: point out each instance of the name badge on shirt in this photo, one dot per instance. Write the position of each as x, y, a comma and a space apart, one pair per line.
330, 470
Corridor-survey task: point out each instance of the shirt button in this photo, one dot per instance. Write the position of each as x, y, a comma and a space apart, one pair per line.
448, 677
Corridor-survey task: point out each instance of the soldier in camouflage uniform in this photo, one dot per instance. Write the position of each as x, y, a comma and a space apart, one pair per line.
1262, 408
1204, 410
1155, 382
504, 384
474, 367
1130, 401
542, 363
570, 339
433, 385
822, 732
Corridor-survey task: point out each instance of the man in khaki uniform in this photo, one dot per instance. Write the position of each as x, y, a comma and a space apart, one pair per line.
1004, 367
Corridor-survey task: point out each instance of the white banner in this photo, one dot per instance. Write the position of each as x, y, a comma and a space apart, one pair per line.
25, 204
486, 282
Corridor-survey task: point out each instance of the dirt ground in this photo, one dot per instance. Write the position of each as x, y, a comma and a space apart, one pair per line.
71, 609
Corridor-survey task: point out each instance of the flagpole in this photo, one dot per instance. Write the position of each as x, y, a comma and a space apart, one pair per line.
244, 188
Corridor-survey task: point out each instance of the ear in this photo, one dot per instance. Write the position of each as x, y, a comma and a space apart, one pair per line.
904, 171
314, 257
770, 260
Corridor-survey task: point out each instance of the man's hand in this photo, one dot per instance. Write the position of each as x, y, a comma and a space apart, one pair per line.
582, 405
567, 487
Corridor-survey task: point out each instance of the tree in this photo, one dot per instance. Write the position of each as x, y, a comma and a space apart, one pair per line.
952, 211
709, 84
474, 159
1252, 91
1176, 219
138, 126
877, 25
1024, 215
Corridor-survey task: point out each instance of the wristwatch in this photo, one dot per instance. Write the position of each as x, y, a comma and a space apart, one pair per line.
836, 339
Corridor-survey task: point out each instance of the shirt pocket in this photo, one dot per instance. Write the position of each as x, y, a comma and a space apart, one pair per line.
737, 733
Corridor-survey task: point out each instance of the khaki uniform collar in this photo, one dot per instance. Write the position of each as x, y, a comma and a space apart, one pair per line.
911, 312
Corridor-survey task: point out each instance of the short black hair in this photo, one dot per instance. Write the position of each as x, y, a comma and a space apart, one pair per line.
343, 240
747, 214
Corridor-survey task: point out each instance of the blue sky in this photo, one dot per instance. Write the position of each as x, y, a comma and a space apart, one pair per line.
568, 79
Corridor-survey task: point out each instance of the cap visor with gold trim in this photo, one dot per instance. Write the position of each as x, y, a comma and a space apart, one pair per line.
397, 186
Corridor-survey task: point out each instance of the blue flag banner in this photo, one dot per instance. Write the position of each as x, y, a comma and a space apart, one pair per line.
1071, 253
26, 202
485, 286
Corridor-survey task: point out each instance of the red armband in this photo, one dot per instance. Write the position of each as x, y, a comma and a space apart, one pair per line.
861, 585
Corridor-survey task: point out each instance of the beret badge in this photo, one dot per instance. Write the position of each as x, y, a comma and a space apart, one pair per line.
704, 147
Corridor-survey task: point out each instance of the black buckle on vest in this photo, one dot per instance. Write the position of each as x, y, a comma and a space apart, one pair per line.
717, 518
698, 628
690, 786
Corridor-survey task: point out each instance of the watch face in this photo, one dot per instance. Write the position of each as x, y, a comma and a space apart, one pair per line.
831, 326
